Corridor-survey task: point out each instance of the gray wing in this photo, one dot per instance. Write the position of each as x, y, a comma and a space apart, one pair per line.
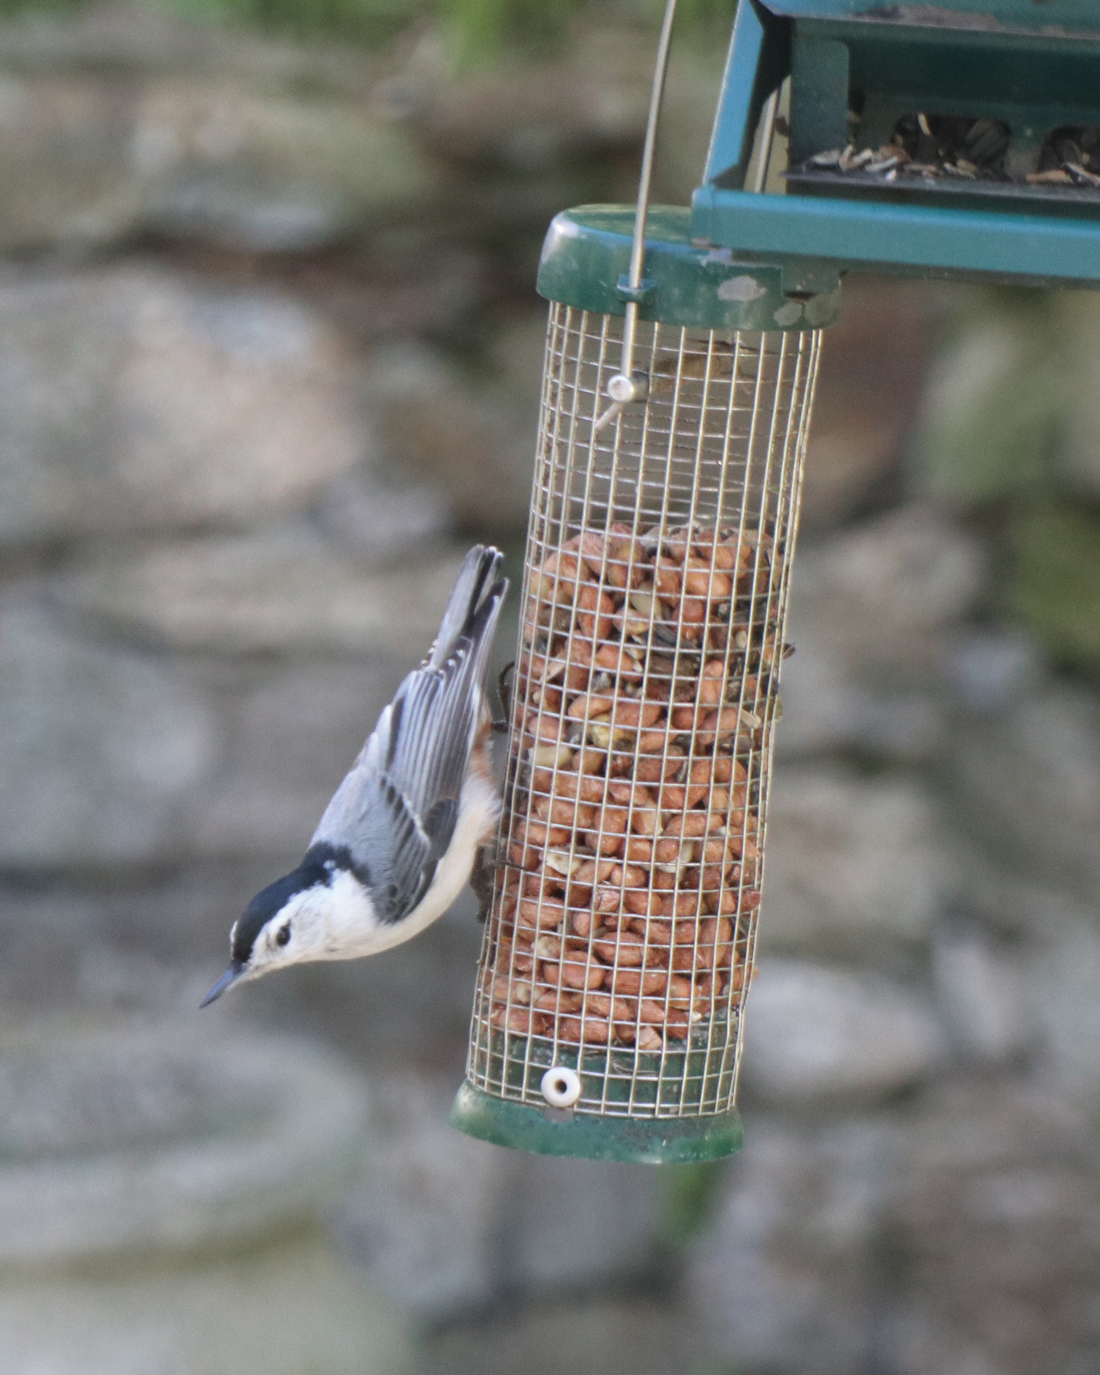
395, 813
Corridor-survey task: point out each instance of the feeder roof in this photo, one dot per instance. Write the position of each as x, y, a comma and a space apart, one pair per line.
1050, 18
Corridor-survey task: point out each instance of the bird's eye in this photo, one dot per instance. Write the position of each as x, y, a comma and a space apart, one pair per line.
282, 936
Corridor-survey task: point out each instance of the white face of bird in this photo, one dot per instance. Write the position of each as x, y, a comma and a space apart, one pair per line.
300, 930
331, 918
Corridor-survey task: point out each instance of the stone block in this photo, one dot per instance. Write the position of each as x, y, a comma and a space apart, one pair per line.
870, 612
1061, 983
994, 1224
162, 1200
817, 1036
853, 864
290, 736
136, 400
423, 1221
979, 986
575, 1223
223, 157
268, 171
100, 748
620, 1336
1026, 782
785, 1279
284, 591
471, 438
447, 1223
290, 1310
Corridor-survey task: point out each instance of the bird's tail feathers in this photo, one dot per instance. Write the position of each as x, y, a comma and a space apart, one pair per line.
474, 604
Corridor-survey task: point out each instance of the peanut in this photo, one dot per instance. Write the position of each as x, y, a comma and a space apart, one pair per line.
632, 982
551, 756
573, 973
534, 913
521, 1021
563, 811
596, 609
626, 951
558, 1000
621, 881
596, 1030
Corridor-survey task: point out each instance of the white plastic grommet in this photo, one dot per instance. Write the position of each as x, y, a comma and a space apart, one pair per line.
622, 388
561, 1087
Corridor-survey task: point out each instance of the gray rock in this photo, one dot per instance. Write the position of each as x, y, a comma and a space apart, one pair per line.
979, 988
423, 1220
471, 438
785, 1279
852, 863
624, 1335
815, 1035
379, 522
1027, 782
1062, 982
147, 1139
162, 1202
994, 1224
64, 924
285, 590
289, 739
885, 587
130, 40
137, 400
99, 749
445, 1222
869, 610
65, 164
993, 668
220, 157
571, 1223
270, 172
278, 1311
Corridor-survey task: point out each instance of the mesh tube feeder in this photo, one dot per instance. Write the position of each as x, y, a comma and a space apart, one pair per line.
681, 357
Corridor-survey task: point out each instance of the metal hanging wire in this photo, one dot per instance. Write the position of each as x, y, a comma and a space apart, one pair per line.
631, 384
627, 386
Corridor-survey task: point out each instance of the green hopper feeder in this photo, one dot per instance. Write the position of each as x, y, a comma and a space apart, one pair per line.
957, 140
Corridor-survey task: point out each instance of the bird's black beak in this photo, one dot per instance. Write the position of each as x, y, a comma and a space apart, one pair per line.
230, 977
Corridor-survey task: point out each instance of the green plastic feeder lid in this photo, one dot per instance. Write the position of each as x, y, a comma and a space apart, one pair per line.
587, 253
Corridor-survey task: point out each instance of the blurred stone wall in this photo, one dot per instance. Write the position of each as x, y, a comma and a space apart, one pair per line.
269, 360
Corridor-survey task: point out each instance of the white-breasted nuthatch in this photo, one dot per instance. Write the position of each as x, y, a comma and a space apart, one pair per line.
398, 840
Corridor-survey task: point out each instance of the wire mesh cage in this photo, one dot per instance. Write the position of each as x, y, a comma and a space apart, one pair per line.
619, 942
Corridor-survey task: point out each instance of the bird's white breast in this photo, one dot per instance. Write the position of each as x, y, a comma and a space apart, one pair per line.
356, 929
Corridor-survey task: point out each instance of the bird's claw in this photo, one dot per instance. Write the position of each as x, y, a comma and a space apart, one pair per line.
481, 878
504, 692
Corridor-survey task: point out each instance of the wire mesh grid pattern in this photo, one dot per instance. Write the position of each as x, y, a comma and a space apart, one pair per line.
622, 924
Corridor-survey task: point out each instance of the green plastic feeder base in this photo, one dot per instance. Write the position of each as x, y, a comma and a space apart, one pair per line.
589, 1136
